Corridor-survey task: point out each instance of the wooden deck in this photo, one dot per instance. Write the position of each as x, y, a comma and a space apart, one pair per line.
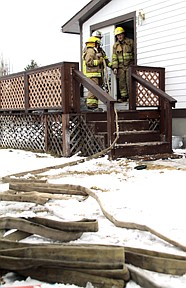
40, 111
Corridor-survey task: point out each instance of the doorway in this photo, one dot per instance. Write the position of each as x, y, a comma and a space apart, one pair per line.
108, 41
107, 28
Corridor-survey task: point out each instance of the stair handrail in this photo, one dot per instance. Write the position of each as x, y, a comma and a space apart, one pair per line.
104, 97
166, 102
154, 89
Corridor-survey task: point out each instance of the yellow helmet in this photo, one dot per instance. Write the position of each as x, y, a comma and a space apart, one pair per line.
118, 30
93, 39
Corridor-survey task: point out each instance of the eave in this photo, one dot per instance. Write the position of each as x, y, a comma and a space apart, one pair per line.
73, 25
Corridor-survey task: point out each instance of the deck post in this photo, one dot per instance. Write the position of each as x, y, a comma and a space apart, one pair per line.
66, 135
70, 88
26, 91
44, 119
65, 77
0, 94
166, 122
169, 124
110, 126
75, 90
132, 89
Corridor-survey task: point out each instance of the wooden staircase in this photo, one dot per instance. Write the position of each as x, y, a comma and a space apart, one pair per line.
135, 135
145, 128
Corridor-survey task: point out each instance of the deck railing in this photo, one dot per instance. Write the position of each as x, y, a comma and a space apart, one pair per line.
48, 87
147, 86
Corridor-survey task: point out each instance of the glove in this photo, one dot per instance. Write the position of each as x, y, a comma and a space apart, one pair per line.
115, 71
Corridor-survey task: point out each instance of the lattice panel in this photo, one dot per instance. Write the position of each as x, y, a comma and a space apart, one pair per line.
154, 124
82, 139
12, 93
45, 89
55, 134
75, 134
22, 132
44, 133
144, 96
90, 144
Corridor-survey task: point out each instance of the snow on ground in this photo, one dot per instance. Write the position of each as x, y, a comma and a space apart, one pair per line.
154, 196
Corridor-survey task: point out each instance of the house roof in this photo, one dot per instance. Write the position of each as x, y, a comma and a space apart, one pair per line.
73, 25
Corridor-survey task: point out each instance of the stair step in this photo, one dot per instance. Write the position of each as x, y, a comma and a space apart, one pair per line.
141, 148
128, 137
138, 136
124, 125
130, 125
135, 138
154, 143
130, 114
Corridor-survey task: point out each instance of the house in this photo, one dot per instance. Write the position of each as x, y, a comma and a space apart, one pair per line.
158, 30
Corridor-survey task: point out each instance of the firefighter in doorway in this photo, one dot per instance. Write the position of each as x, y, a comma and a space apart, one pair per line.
93, 68
122, 58
99, 35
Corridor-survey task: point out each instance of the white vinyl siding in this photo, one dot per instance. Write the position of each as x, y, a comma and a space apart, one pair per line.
161, 42
161, 39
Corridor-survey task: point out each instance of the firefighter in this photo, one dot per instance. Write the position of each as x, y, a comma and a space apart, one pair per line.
98, 34
93, 68
122, 58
